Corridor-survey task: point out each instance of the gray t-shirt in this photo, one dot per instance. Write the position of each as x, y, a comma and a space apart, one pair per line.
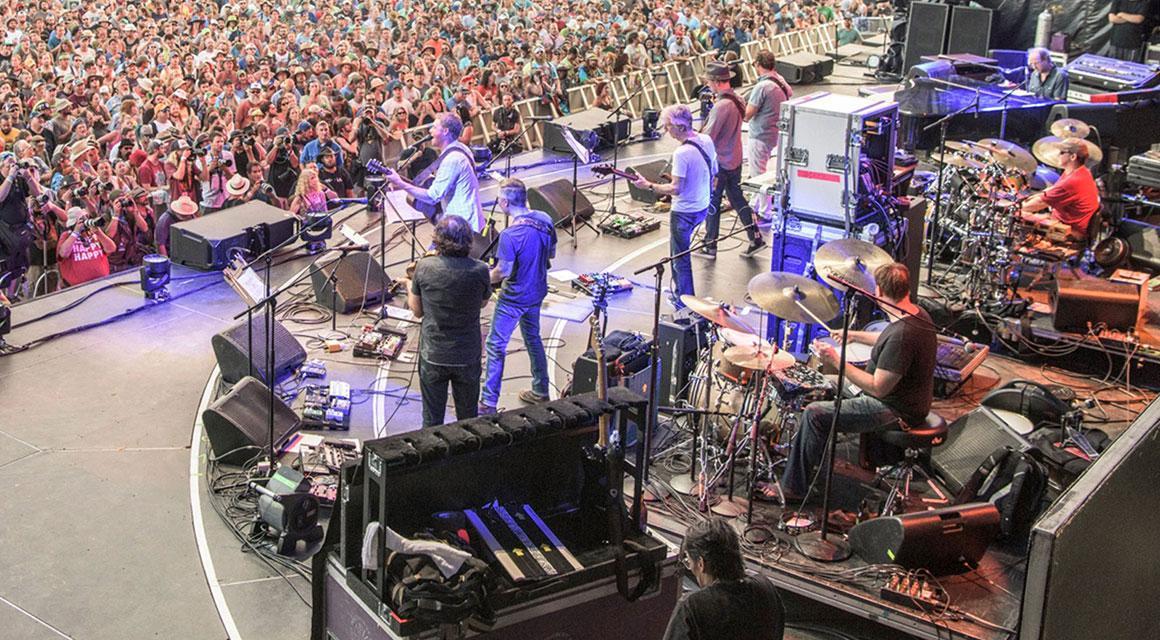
451, 290
724, 127
696, 175
767, 96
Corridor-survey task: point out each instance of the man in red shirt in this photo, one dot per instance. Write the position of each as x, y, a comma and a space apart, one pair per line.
83, 253
1073, 199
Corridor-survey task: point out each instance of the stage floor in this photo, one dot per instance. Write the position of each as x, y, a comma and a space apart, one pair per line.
108, 532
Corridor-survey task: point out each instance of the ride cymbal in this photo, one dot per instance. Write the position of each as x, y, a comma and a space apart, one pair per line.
1047, 150
789, 296
852, 260
1070, 128
764, 358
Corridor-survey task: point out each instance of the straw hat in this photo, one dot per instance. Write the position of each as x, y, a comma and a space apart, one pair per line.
238, 186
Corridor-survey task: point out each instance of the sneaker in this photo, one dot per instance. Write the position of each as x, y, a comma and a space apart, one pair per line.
531, 397
753, 248
486, 410
706, 253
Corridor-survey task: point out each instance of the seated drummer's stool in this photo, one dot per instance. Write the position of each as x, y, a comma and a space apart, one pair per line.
914, 442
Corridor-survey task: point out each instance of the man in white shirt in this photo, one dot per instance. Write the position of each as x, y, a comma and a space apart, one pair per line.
456, 187
694, 165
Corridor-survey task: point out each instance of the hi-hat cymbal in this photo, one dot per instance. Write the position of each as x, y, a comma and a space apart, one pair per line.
719, 313
852, 260
741, 338
763, 358
1070, 128
784, 295
1009, 154
953, 160
1047, 150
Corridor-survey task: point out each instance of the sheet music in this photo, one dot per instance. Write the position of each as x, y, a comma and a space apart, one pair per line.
580, 150
402, 211
248, 285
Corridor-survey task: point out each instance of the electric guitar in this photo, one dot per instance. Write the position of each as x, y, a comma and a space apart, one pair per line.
423, 179
608, 170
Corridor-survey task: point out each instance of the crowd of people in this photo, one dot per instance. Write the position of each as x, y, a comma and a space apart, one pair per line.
119, 119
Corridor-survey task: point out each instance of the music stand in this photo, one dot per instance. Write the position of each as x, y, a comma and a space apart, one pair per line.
578, 151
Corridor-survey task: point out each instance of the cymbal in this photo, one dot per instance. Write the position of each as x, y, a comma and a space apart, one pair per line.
1047, 150
851, 259
741, 338
784, 295
719, 313
764, 358
1070, 128
1043, 178
1009, 154
956, 161
964, 146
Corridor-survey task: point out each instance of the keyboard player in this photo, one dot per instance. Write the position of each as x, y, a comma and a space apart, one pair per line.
1045, 80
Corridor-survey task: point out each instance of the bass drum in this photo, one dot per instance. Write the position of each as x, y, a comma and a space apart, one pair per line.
726, 399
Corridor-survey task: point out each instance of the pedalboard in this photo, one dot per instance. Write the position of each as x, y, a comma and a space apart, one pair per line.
590, 283
327, 406
378, 341
916, 592
628, 226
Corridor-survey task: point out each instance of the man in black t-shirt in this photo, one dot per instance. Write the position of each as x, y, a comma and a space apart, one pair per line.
332, 175
898, 382
1130, 20
16, 233
507, 126
447, 292
729, 605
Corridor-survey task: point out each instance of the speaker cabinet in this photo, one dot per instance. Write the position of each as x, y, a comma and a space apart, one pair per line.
1143, 242
359, 280
653, 172
943, 541
237, 424
804, 68
232, 349
926, 32
970, 439
555, 199
1079, 303
680, 340
970, 30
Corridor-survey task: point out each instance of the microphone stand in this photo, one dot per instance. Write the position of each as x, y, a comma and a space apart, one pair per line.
1004, 100
507, 173
270, 302
654, 399
616, 145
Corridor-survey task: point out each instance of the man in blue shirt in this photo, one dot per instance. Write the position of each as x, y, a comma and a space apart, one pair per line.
1045, 79
311, 151
525, 251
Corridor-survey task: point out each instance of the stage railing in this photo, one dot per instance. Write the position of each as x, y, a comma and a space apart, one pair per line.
678, 84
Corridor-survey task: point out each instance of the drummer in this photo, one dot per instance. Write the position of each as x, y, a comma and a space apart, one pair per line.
1045, 80
1073, 199
897, 383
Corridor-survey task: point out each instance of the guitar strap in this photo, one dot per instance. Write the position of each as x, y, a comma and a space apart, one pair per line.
705, 156
532, 222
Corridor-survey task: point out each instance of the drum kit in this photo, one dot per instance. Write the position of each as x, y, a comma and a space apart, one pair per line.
989, 178
747, 391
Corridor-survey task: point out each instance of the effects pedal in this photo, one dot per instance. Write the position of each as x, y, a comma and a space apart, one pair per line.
327, 407
916, 592
314, 369
377, 341
627, 226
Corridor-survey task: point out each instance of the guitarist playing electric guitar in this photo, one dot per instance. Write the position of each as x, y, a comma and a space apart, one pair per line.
455, 186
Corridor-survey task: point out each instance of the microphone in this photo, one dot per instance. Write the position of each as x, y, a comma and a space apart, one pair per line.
342, 202
353, 247
423, 139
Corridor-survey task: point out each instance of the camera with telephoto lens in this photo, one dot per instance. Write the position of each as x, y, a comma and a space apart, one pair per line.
26, 164
267, 189
92, 223
198, 153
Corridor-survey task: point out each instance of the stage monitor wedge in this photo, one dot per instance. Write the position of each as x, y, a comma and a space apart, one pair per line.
555, 199
360, 282
232, 349
926, 32
237, 424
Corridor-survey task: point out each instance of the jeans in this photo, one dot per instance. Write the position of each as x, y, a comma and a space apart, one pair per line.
433, 381
503, 323
760, 149
728, 184
863, 414
681, 227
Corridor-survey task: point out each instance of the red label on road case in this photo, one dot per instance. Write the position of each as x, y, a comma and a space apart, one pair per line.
818, 175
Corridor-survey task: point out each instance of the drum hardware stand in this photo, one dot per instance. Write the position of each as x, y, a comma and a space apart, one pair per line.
658, 268
942, 123
616, 146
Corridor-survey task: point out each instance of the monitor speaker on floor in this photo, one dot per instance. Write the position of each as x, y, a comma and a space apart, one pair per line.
360, 281
656, 172
232, 349
942, 541
970, 440
555, 199
237, 424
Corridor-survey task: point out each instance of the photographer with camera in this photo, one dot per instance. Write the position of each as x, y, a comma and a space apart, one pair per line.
183, 180
47, 219
283, 171
131, 229
259, 189
216, 167
246, 150
370, 133
83, 252
16, 232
